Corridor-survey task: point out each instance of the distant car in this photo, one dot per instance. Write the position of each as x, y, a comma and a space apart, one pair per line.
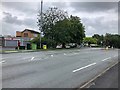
72, 45
59, 46
67, 46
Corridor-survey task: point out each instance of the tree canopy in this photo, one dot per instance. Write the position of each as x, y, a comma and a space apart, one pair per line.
69, 30
112, 40
58, 28
90, 40
100, 39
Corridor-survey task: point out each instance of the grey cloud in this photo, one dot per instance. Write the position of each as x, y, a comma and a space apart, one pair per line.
59, 4
30, 22
11, 19
25, 7
30, 9
94, 6
100, 26
8, 29
119, 17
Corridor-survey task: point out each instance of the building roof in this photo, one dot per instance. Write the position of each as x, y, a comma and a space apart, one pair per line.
31, 31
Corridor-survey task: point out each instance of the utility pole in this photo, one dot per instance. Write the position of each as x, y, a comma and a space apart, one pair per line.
40, 21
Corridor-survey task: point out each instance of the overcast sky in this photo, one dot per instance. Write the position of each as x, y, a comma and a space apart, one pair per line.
97, 17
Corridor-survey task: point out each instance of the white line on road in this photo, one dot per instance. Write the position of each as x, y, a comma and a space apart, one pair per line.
32, 58
106, 59
51, 55
83, 67
2, 61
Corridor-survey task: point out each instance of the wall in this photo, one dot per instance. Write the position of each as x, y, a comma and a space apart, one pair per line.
30, 34
18, 34
11, 43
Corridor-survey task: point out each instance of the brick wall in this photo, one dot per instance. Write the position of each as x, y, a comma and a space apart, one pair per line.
18, 34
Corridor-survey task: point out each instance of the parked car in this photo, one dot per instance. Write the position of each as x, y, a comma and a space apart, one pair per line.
73, 45
59, 46
67, 46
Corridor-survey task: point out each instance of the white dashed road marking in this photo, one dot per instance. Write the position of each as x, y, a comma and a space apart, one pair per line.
51, 55
83, 67
106, 59
32, 58
2, 61
90, 65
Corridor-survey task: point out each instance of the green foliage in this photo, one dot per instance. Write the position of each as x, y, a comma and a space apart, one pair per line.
69, 30
100, 38
77, 30
112, 40
44, 40
50, 17
36, 40
90, 40
58, 28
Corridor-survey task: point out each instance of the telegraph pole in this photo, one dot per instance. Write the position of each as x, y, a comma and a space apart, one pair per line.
40, 23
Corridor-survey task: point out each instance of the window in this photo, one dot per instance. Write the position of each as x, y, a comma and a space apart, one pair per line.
25, 34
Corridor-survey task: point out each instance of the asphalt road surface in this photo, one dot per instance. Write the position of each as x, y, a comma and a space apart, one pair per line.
55, 69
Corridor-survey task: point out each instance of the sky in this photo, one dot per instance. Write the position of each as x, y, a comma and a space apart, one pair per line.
97, 17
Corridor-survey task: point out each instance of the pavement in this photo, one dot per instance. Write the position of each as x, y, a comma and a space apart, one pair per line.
110, 79
55, 69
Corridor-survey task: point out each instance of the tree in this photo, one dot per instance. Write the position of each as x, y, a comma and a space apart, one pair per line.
62, 32
112, 40
50, 17
100, 39
90, 40
77, 31
36, 40
69, 30
57, 27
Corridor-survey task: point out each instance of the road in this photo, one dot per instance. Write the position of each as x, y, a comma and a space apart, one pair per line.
55, 69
